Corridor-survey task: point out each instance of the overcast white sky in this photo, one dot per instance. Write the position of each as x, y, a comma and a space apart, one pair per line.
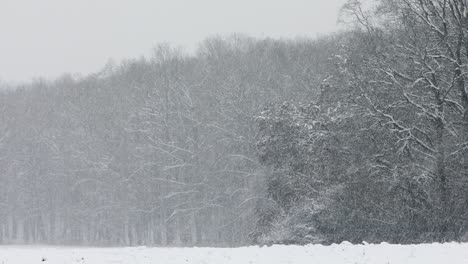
49, 37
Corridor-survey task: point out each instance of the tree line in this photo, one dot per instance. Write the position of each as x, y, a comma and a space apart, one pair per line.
381, 154
361, 135
153, 151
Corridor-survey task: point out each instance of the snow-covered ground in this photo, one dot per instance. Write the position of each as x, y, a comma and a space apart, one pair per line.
313, 254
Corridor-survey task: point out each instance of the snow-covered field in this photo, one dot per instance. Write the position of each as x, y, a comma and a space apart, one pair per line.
313, 254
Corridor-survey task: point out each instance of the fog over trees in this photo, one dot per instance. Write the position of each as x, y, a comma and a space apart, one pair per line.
361, 135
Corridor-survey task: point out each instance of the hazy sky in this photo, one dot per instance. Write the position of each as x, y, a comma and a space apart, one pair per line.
50, 37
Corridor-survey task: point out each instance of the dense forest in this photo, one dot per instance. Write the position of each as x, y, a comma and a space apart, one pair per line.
153, 151
361, 135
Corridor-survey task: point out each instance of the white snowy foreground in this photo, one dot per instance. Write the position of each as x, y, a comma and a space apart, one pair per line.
313, 254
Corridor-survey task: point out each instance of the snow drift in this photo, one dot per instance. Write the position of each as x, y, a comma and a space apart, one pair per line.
316, 254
